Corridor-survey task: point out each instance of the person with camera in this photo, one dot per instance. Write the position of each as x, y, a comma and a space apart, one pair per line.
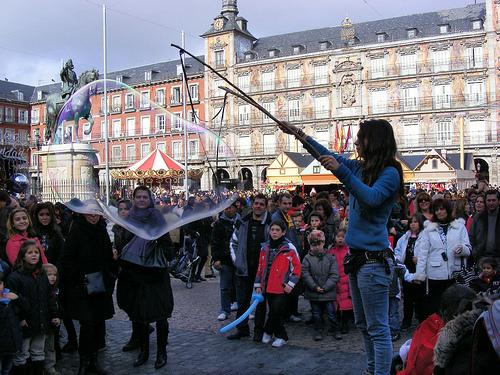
441, 250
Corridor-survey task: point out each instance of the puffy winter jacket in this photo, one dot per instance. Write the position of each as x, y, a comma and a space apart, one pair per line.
14, 245
320, 270
285, 269
430, 248
344, 300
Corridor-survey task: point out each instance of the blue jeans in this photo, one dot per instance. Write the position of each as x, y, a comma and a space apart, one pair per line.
370, 298
226, 287
394, 315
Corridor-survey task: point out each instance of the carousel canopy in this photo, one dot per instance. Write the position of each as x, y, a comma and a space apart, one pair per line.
156, 165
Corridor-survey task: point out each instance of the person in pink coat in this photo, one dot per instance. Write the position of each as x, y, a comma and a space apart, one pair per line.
20, 229
344, 302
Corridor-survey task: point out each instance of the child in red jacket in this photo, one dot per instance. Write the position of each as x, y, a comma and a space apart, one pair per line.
278, 272
344, 302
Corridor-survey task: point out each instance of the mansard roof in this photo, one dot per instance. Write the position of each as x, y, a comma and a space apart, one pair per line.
426, 24
8, 91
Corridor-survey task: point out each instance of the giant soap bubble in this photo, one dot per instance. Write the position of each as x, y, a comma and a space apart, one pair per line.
74, 163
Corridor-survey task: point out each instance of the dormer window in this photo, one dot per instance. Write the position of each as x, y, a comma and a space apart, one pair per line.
274, 52
119, 78
381, 37
19, 95
477, 24
443, 29
297, 49
323, 46
147, 75
249, 56
39, 95
411, 33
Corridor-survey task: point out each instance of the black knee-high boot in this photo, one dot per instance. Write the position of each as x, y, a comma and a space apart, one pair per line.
161, 343
134, 341
95, 366
143, 335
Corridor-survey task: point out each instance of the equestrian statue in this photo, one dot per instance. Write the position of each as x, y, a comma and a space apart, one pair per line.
78, 107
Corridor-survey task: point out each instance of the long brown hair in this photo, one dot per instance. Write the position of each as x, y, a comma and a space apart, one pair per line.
10, 223
378, 151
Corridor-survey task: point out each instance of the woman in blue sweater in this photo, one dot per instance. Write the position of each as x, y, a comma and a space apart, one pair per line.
374, 181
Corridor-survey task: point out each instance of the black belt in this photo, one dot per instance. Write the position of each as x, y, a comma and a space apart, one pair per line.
371, 257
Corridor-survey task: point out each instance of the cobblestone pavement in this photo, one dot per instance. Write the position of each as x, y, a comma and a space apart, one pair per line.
196, 347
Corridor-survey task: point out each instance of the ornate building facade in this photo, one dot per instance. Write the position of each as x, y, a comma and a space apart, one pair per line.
434, 76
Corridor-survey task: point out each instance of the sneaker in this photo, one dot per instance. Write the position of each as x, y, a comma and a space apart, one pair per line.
234, 306
222, 316
266, 339
295, 318
278, 343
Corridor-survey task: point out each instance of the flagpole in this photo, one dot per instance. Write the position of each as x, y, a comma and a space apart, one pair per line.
106, 138
184, 116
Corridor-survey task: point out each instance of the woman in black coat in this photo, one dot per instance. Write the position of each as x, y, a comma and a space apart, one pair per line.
143, 290
88, 251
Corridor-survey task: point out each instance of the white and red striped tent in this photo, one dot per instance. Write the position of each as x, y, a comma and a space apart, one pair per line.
156, 161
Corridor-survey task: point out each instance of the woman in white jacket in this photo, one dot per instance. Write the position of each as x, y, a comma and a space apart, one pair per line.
414, 294
440, 249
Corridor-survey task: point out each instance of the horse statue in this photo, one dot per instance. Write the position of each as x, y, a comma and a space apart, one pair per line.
79, 107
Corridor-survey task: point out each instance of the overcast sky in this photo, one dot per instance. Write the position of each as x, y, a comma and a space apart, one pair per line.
35, 35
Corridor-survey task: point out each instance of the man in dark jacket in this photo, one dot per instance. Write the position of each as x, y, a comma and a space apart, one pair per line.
249, 233
484, 233
221, 256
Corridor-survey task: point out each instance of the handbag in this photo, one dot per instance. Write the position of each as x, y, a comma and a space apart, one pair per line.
146, 253
94, 283
465, 275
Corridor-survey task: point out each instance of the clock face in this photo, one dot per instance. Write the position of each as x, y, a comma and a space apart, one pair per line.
218, 24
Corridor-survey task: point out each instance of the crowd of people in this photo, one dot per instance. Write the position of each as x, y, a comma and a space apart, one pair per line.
353, 254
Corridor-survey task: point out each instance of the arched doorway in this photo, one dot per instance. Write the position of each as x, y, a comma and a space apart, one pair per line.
221, 178
263, 178
482, 169
246, 177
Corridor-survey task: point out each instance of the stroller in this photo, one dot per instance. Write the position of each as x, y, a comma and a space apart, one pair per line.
183, 268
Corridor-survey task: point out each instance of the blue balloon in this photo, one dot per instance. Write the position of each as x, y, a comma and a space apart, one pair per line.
18, 183
256, 299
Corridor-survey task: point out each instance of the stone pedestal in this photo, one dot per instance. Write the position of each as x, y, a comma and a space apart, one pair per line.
68, 172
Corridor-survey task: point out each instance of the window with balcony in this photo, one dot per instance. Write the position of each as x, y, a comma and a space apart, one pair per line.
177, 150
193, 116
408, 64
244, 145
161, 146
244, 114
323, 138
320, 74
378, 67
116, 104
1, 115
440, 60
116, 153
145, 149
321, 107
194, 91
442, 96
218, 120
176, 121
444, 133
129, 101
35, 116
160, 123
117, 128
474, 57
269, 142
411, 135
268, 79
293, 77
176, 95
219, 58
130, 152
105, 103
475, 94
269, 106
410, 99
193, 149
9, 136
477, 132
379, 101
244, 82
130, 126
216, 91
145, 125
144, 102
293, 109
160, 97
23, 136
9, 114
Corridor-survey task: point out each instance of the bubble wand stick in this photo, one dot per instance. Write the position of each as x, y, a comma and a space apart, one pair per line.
256, 299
